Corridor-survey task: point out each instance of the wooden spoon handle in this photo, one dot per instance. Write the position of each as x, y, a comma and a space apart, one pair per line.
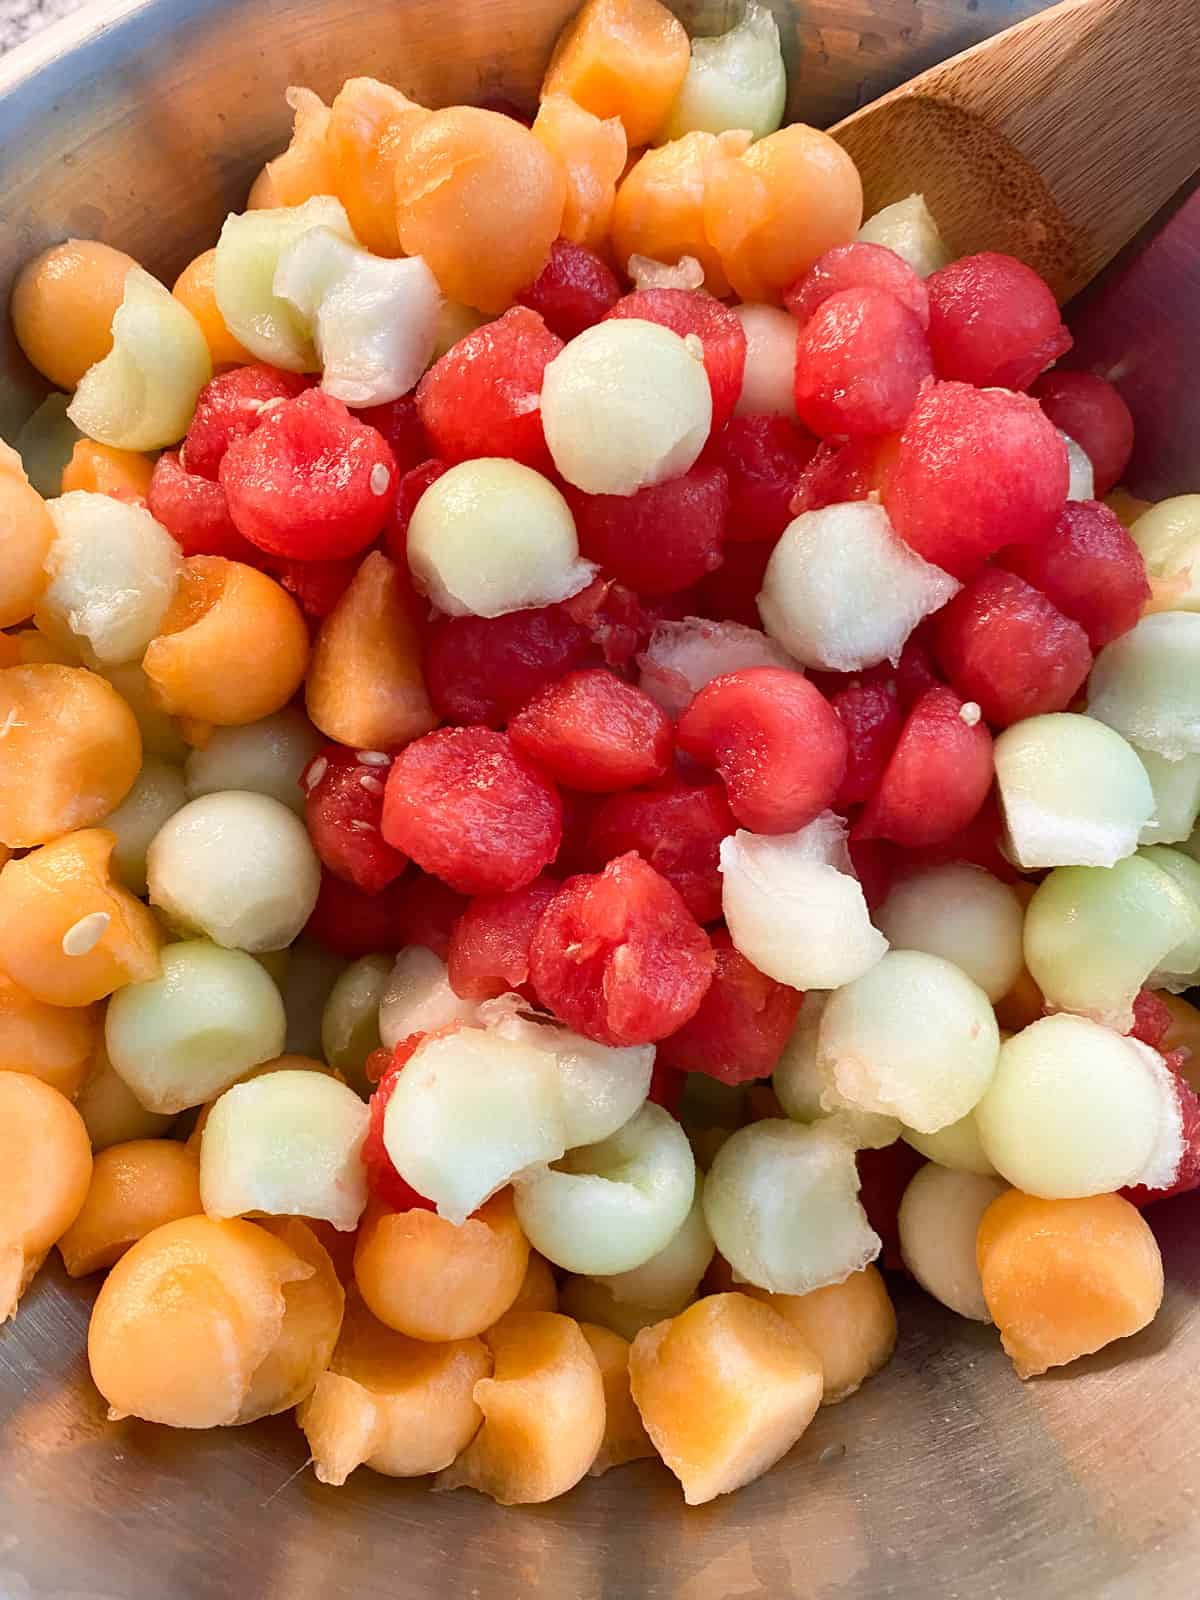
1058, 139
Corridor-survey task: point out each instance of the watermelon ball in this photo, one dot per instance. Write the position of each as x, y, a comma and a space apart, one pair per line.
316, 586
1005, 646
482, 397
489, 946
311, 482
384, 1182
484, 669
742, 1025
426, 912
411, 487
677, 826
467, 806
195, 512
976, 470
1092, 412
993, 322
858, 265
663, 538
593, 731
763, 455
776, 741
574, 290
618, 957
353, 923
861, 359
871, 714
692, 312
938, 777
1090, 568
231, 407
844, 470
343, 809
620, 622
400, 425
730, 594
1152, 1019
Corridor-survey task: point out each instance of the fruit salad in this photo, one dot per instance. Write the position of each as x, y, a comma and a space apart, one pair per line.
595, 766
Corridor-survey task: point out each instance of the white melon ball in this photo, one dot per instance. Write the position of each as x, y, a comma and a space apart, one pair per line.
781, 1202
469, 1113
1168, 535
1146, 684
417, 997
160, 732
179, 1039
939, 1219
957, 1146
609, 1207
842, 590
669, 1280
798, 1081
908, 228
111, 1112
626, 404
492, 536
350, 1019
1180, 966
768, 383
794, 908
684, 656
158, 793
735, 79
112, 570
238, 867
1081, 484
1073, 792
963, 914
1176, 788
913, 1038
288, 1144
265, 757
1075, 1110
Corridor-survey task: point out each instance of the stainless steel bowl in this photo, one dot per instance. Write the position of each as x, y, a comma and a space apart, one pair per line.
141, 122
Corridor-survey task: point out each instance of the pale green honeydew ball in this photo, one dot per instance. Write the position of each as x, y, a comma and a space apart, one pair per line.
908, 228
1146, 684
669, 1280
350, 1020
734, 80
1176, 786
939, 1218
158, 793
1168, 535
956, 1146
963, 914
265, 757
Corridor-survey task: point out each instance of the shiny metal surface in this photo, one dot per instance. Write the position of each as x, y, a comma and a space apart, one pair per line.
945, 1477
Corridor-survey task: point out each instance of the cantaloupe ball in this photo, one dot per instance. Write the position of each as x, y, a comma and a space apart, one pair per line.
26, 538
45, 1168
312, 1321
135, 1188
400, 1406
186, 1318
625, 1437
63, 304
623, 58
1064, 1278
851, 1325
538, 1291
543, 1412
724, 1390
54, 1043
437, 1280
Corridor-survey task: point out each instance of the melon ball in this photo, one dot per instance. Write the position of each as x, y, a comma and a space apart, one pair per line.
266, 757
939, 1218
963, 914
768, 381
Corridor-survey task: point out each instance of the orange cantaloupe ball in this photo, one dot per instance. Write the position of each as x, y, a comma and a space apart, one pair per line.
361, 140
622, 58
851, 1326
69, 934
54, 1043
63, 304
312, 1321
724, 1390
194, 289
365, 686
29, 647
625, 1437
186, 1318
772, 211
26, 534
102, 469
306, 167
401, 1406
45, 1168
538, 1291
1064, 1278
437, 1280
543, 1412
233, 645
480, 198
135, 1188
592, 151
659, 208
72, 750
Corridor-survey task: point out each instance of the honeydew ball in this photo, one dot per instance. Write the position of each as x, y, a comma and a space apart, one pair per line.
626, 404
842, 590
1073, 792
265, 757
158, 793
350, 1020
1179, 966
1176, 788
210, 1015
493, 536
1168, 535
781, 1202
735, 80
963, 914
287, 1144
417, 997
160, 732
469, 1112
907, 227
914, 1038
1146, 684
669, 1280
111, 1112
939, 1218
768, 381
238, 867
957, 1146
1081, 483
112, 570
1075, 1109
798, 1082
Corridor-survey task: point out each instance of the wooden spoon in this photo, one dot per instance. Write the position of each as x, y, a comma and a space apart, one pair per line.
1056, 140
